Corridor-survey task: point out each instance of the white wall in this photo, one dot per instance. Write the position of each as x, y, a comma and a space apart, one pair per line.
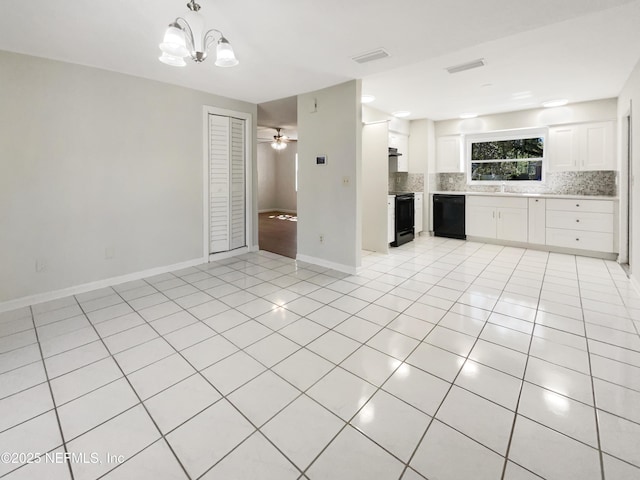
90, 161
266, 178
375, 186
327, 206
538, 117
630, 95
285, 163
277, 178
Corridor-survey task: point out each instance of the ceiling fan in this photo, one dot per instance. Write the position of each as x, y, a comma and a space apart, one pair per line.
279, 141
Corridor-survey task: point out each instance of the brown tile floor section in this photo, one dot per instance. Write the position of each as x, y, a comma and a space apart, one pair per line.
278, 236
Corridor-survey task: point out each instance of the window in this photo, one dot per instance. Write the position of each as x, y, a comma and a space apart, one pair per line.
506, 157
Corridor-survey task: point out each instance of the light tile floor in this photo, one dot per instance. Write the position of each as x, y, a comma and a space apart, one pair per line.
442, 360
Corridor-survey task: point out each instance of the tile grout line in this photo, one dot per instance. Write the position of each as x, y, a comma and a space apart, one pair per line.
524, 373
593, 388
53, 400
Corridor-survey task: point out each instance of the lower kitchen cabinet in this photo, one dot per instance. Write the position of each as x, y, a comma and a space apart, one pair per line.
537, 221
564, 223
581, 224
502, 218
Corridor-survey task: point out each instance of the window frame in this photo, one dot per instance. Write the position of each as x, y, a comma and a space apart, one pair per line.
501, 135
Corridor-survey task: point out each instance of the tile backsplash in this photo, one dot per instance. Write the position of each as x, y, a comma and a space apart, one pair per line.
601, 182
406, 182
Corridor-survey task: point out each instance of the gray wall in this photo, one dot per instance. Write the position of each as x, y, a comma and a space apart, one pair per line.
266, 178
277, 178
90, 161
327, 206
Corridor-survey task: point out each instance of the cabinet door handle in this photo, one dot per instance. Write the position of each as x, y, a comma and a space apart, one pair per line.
577, 204
537, 200
577, 239
578, 221
494, 214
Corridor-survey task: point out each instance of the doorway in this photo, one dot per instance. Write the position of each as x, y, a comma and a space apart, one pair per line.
277, 156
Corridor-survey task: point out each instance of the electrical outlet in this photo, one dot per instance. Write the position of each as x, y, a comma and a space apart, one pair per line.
109, 253
321, 238
346, 181
41, 265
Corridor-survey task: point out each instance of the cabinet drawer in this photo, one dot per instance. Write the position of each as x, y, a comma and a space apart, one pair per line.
596, 241
596, 206
487, 201
585, 221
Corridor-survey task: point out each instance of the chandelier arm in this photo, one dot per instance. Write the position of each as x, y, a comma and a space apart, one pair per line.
189, 34
210, 37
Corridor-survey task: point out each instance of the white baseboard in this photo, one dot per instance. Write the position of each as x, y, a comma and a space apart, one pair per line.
327, 264
87, 287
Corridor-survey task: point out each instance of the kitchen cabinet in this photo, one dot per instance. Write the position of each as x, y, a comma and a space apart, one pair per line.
418, 212
391, 218
537, 220
448, 154
581, 224
401, 142
581, 147
502, 218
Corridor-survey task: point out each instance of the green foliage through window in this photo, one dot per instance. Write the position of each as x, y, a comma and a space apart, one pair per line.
507, 160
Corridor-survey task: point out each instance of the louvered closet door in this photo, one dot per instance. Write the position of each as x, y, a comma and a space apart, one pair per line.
227, 183
237, 184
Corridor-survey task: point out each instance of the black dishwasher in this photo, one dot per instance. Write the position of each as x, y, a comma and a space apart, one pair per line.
448, 216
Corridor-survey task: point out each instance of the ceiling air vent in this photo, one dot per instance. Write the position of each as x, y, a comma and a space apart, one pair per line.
466, 66
370, 56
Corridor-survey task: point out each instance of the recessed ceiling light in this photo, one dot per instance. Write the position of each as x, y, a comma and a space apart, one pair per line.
555, 103
401, 114
468, 115
367, 98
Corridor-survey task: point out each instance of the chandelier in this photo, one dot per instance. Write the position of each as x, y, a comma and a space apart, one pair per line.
186, 37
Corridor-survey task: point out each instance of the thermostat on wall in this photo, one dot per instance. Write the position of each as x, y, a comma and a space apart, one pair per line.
321, 160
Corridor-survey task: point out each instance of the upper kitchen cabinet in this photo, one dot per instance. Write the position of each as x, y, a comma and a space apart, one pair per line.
448, 151
400, 141
585, 146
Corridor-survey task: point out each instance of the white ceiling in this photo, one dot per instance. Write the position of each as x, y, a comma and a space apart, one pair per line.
579, 49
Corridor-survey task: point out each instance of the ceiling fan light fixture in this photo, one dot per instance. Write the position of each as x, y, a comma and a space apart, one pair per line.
278, 145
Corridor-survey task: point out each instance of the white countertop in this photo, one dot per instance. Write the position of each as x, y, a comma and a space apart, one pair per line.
528, 195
